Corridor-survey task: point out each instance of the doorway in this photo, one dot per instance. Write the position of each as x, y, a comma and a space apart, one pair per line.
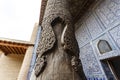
112, 68
115, 67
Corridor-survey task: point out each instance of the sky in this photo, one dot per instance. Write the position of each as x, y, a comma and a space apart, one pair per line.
17, 18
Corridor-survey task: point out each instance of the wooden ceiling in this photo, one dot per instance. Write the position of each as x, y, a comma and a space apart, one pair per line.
9, 46
77, 8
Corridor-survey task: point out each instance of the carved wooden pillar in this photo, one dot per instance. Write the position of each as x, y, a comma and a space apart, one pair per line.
58, 11
57, 8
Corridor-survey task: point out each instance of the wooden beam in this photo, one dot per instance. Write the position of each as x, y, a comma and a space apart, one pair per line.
14, 45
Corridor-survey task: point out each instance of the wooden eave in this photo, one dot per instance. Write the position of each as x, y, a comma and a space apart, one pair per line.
10, 46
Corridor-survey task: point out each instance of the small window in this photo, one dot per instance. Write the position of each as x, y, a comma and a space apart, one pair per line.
104, 46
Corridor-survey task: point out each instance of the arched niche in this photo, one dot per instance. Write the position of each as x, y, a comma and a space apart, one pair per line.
104, 46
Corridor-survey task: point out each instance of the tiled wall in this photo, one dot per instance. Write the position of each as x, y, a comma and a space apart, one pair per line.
101, 22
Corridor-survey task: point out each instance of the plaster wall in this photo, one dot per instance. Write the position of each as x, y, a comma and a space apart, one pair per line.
10, 66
